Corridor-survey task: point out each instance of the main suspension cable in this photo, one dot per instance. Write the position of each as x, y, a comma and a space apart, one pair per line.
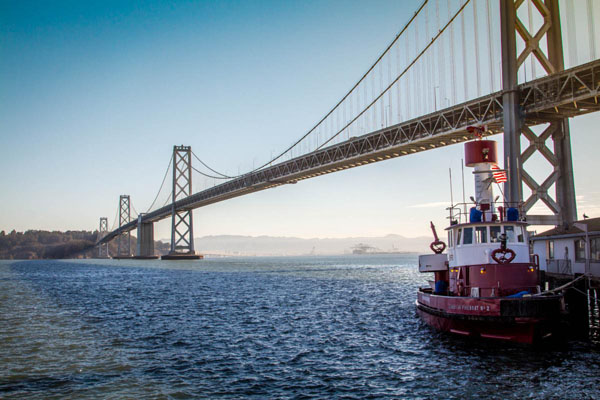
398, 77
112, 228
161, 185
134, 210
168, 198
350, 91
211, 176
223, 176
336, 106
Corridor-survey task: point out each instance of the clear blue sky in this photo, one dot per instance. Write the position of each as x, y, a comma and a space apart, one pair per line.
94, 94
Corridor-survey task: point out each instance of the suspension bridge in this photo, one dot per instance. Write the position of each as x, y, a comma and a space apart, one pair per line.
455, 64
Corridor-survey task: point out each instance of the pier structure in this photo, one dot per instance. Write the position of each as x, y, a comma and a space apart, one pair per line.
145, 240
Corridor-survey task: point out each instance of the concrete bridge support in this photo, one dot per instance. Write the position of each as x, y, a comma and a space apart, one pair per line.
145, 240
561, 205
182, 227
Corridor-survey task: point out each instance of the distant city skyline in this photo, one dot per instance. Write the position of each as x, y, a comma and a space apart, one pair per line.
94, 95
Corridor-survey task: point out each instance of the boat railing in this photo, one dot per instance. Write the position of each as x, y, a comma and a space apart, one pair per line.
494, 291
562, 267
461, 213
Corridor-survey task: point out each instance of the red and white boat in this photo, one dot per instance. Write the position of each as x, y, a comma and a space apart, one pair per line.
487, 284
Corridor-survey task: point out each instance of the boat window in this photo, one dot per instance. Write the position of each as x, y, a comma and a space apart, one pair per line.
520, 236
495, 232
510, 233
458, 236
580, 250
450, 242
468, 236
481, 234
595, 249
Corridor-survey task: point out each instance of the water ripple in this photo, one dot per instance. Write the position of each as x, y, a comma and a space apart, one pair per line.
333, 327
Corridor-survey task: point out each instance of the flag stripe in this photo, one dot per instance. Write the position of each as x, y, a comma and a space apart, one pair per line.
500, 176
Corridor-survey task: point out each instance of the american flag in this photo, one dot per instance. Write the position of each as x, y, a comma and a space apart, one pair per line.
500, 175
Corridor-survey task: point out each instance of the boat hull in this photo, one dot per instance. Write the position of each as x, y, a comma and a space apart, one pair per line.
522, 320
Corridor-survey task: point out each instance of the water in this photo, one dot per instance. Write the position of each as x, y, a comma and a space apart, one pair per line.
332, 327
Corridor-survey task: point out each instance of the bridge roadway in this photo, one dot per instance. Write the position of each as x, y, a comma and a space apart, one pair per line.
565, 94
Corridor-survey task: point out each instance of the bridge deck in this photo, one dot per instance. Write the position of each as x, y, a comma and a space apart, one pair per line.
566, 94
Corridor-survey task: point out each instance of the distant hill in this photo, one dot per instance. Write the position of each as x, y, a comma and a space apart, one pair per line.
35, 244
293, 246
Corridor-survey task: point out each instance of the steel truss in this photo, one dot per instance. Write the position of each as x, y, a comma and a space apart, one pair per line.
103, 231
562, 205
124, 242
182, 232
564, 94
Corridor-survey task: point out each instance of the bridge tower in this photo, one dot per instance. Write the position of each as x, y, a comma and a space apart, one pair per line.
124, 241
182, 232
103, 231
562, 204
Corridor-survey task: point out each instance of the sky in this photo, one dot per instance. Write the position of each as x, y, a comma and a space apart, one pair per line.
94, 94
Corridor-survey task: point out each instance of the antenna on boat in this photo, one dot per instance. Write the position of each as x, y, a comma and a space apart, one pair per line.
451, 195
462, 167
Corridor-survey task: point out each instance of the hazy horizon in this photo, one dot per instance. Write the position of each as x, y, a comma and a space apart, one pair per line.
95, 95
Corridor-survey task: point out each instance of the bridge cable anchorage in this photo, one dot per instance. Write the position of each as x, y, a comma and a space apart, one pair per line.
222, 176
161, 185
404, 28
413, 62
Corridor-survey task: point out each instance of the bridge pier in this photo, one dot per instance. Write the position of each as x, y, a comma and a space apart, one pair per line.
182, 228
145, 240
562, 205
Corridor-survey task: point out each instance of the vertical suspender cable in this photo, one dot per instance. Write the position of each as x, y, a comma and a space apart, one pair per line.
490, 44
452, 64
356, 129
366, 118
428, 73
572, 33
591, 30
381, 104
408, 67
409, 80
374, 117
418, 88
464, 57
389, 112
441, 58
476, 37
345, 120
398, 87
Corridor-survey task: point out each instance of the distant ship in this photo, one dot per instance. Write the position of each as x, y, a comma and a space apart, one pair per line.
363, 248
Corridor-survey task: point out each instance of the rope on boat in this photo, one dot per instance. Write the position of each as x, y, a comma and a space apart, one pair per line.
565, 286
